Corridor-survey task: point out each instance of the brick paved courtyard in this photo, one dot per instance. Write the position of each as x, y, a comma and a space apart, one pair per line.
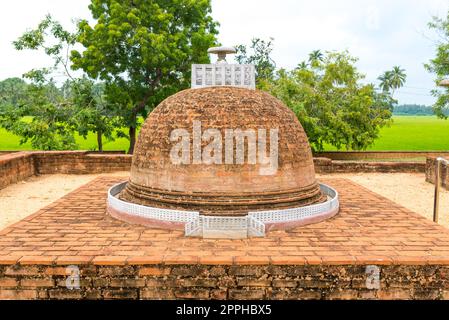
75, 230
369, 228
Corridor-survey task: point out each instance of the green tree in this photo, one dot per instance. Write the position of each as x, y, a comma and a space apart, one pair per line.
315, 58
90, 109
385, 82
332, 102
48, 127
12, 92
260, 57
143, 51
440, 65
80, 97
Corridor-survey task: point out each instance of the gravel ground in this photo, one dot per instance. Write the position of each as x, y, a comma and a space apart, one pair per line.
19, 200
408, 189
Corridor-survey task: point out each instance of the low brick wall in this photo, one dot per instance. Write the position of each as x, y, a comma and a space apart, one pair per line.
430, 172
80, 162
383, 155
224, 282
325, 165
17, 166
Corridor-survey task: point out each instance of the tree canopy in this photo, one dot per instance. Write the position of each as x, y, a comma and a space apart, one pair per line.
13, 92
440, 65
259, 55
143, 51
392, 80
330, 97
57, 112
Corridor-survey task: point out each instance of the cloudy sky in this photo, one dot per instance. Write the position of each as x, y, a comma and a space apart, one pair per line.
381, 33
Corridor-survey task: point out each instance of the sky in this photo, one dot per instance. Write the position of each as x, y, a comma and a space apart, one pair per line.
381, 33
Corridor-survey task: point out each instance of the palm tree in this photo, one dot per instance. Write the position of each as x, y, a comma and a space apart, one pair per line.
302, 66
392, 80
397, 78
385, 81
316, 55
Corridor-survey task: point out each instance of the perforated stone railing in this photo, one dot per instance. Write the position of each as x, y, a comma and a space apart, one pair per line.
296, 214
147, 212
251, 225
236, 75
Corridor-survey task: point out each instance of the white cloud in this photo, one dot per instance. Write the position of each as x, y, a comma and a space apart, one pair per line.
380, 33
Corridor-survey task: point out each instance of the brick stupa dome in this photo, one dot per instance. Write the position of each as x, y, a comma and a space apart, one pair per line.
221, 189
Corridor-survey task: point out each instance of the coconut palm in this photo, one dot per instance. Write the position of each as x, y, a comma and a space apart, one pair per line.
316, 55
302, 66
392, 80
397, 78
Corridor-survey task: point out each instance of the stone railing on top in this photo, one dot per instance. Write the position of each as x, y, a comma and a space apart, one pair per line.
17, 166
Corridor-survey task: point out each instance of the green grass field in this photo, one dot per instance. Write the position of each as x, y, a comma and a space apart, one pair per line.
414, 133
406, 133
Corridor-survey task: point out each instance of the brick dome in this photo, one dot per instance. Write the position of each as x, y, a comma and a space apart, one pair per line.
221, 189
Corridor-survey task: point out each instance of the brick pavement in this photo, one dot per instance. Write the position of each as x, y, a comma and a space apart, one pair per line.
369, 229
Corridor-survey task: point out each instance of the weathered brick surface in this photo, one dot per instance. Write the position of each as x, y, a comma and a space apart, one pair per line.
326, 165
80, 162
380, 155
212, 189
17, 166
430, 172
315, 282
322, 261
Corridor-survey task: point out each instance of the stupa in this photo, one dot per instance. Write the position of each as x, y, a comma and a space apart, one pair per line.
222, 159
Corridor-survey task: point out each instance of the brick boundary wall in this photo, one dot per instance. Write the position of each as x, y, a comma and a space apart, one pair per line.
365, 155
277, 282
430, 172
18, 166
80, 162
325, 165
15, 167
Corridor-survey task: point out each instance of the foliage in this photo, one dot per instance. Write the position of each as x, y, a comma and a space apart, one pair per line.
392, 80
413, 109
12, 92
91, 112
440, 66
260, 57
334, 106
78, 106
48, 129
328, 95
143, 51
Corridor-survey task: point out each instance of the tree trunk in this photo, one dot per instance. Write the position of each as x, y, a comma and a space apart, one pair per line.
132, 139
100, 141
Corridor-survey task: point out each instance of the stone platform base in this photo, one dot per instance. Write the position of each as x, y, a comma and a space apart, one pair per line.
374, 249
